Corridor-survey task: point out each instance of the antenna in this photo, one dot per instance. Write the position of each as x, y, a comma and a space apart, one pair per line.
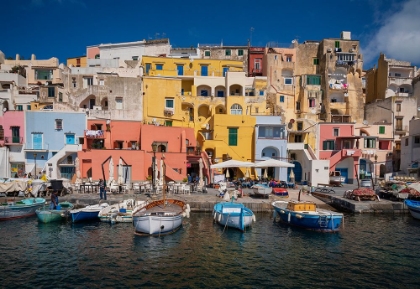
250, 38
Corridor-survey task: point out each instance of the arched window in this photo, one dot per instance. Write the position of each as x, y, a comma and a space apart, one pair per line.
236, 109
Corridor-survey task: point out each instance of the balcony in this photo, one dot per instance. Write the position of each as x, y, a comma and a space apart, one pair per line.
168, 111
340, 118
193, 151
94, 134
343, 63
401, 129
66, 163
13, 140
208, 135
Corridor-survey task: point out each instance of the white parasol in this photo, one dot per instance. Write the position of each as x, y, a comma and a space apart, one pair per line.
227, 174
111, 171
292, 174
265, 173
161, 173
120, 172
247, 173
78, 173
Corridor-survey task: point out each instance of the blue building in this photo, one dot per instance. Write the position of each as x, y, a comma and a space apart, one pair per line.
271, 142
52, 142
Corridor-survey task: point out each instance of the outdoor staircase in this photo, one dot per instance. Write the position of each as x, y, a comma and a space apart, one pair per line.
67, 150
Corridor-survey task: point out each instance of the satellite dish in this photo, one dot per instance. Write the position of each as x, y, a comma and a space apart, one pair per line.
294, 41
365, 122
418, 108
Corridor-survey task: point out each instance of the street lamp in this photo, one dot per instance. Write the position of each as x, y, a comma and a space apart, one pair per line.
374, 168
35, 166
154, 148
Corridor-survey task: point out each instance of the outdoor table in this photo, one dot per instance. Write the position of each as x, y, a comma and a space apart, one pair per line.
89, 187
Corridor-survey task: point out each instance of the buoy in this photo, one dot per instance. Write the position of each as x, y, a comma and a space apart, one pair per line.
219, 218
188, 208
253, 218
288, 218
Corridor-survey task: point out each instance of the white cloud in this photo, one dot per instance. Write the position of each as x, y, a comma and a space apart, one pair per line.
398, 35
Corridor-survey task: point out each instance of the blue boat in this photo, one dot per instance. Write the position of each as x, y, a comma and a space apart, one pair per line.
414, 208
88, 213
234, 215
20, 209
306, 215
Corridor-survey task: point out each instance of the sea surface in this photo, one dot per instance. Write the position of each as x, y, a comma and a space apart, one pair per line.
372, 251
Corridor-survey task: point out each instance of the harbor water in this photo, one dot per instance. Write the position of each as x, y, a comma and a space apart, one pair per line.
372, 251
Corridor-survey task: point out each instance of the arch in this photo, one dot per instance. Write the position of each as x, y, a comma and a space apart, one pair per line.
220, 109
88, 102
236, 109
161, 148
210, 152
270, 152
364, 132
406, 87
203, 111
204, 90
188, 109
337, 96
220, 91
105, 103
235, 89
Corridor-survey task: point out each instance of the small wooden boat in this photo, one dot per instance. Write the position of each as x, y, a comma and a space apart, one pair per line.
234, 215
261, 190
87, 213
414, 208
306, 215
45, 215
281, 192
121, 212
20, 209
160, 217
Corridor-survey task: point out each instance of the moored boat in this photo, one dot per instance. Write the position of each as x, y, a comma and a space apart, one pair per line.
121, 212
234, 215
262, 190
414, 208
46, 215
306, 215
20, 209
160, 217
87, 213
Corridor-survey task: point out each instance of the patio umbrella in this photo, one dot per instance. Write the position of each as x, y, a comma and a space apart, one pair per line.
247, 173
292, 174
200, 172
111, 171
265, 173
161, 173
273, 163
120, 172
155, 172
232, 164
78, 173
227, 174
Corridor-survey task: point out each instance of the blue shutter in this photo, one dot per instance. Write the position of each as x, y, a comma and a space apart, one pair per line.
204, 70
225, 70
180, 69
70, 139
37, 141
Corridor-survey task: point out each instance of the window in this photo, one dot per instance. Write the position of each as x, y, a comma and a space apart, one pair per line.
337, 44
288, 58
298, 138
381, 130
60, 97
240, 52
233, 136
51, 91
416, 139
43, 74
336, 132
281, 98
168, 122
316, 61
228, 52
236, 109
312, 102
169, 103
346, 57
119, 103
256, 110
159, 66
204, 92
58, 124
1, 132
28, 107
299, 125
298, 105
398, 74
370, 143
261, 92
383, 145
207, 53
148, 66
19, 107
406, 141
402, 89
220, 93
328, 145
399, 122
257, 64
87, 81
101, 82
135, 57
97, 56
313, 79
288, 80
398, 107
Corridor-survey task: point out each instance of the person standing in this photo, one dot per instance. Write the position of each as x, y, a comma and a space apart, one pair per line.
102, 189
54, 200
189, 179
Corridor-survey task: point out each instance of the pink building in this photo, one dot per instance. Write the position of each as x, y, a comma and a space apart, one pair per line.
338, 143
130, 142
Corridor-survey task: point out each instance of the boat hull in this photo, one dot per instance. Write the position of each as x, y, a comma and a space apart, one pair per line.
20, 209
46, 215
121, 212
233, 215
160, 217
262, 191
319, 220
414, 208
89, 213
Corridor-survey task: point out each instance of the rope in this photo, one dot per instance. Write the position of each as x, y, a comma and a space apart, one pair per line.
226, 223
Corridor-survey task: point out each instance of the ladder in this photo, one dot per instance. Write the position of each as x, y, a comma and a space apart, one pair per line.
323, 221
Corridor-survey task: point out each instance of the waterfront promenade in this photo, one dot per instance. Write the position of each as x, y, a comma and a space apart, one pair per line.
204, 202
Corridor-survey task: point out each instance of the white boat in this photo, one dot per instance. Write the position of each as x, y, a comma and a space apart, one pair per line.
414, 208
261, 190
121, 212
234, 215
160, 217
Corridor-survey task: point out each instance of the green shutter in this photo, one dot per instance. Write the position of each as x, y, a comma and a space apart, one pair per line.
381, 129
324, 145
233, 136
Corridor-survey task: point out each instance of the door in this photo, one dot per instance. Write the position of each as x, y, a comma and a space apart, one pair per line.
344, 174
91, 103
70, 139
297, 170
37, 141
180, 69
225, 70
204, 70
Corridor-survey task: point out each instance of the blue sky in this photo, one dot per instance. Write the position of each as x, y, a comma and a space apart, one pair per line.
63, 28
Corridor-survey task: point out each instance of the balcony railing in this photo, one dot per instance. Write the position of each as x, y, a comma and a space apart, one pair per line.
94, 134
8, 140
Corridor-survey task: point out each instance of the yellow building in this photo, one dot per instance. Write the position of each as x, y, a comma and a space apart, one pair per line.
79, 61
212, 96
